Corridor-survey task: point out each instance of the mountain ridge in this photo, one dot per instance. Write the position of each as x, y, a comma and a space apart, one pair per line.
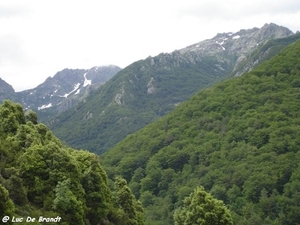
238, 139
149, 88
60, 92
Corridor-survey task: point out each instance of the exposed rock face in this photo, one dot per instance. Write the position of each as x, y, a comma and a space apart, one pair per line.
118, 97
233, 48
150, 85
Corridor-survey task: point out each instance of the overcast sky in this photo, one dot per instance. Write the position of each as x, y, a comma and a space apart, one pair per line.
39, 38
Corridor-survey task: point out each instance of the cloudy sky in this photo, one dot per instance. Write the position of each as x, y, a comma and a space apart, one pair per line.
39, 38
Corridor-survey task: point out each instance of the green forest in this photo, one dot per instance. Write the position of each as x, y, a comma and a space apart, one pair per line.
39, 177
43, 181
239, 140
99, 122
228, 155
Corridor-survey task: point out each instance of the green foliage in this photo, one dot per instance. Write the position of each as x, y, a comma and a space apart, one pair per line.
6, 205
136, 96
265, 52
97, 193
31, 116
41, 176
200, 208
238, 139
67, 204
129, 210
11, 116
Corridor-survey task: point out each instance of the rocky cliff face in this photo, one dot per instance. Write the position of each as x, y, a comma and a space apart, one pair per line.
263, 53
232, 48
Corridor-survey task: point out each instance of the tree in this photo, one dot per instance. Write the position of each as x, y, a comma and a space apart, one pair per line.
67, 204
31, 116
130, 211
6, 205
97, 193
200, 208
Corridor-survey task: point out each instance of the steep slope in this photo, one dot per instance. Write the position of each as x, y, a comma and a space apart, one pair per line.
239, 139
64, 89
263, 53
6, 90
148, 89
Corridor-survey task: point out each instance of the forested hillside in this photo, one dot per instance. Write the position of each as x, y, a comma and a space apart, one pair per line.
148, 89
42, 179
238, 139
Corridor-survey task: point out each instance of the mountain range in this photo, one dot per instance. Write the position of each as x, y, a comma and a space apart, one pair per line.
239, 139
85, 116
60, 92
149, 88
221, 114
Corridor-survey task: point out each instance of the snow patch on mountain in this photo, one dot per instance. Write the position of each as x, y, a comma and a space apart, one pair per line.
223, 40
86, 81
76, 86
53, 93
77, 92
45, 106
221, 44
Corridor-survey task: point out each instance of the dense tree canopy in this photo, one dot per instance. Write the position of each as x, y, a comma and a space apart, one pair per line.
7, 207
238, 139
200, 208
41, 176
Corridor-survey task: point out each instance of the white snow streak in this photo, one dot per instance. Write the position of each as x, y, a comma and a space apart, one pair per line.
221, 44
53, 93
45, 106
77, 92
86, 81
76, 86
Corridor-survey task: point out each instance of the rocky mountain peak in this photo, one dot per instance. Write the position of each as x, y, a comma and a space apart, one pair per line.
65, 88
233, 48
235, 41
150, 88
5, 87
275, 30
6, 90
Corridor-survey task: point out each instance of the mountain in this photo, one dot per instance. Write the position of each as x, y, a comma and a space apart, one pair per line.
60, 92
239, 139
263, 53
6, 90
149, 88
237, 46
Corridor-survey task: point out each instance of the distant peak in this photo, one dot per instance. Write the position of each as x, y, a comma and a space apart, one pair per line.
270, 25
5, 87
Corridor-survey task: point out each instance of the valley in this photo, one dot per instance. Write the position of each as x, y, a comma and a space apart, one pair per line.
214, 125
